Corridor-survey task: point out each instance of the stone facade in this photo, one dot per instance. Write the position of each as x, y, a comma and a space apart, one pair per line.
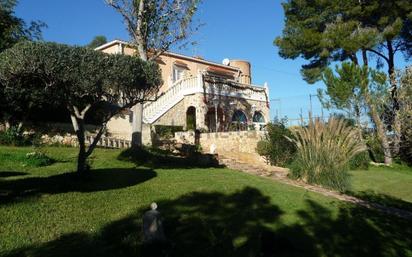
235, 142
227, 106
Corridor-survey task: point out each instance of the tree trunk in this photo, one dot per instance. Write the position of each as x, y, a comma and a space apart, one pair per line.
396, 123
380, 129
82, 167
78, 126
137, 125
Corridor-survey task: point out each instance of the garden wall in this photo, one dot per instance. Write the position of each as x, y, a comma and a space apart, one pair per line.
234, 141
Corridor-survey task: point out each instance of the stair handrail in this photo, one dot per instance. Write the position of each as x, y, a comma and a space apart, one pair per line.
175, 93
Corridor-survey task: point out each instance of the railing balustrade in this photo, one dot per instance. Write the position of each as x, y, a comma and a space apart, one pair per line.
153, 110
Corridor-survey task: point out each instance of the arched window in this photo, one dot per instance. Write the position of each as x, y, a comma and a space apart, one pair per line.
258, 117
239, 117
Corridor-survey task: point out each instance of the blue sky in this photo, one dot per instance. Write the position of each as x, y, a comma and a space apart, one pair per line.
234, 29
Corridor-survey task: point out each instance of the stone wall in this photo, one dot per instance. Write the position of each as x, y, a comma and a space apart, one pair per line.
176, 116
236, 141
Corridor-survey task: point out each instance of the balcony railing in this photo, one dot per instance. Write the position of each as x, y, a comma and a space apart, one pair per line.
201, 84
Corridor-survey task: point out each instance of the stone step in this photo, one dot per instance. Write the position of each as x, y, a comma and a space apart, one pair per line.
252, 165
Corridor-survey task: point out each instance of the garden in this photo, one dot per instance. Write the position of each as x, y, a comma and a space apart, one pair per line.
47, 211
84, 200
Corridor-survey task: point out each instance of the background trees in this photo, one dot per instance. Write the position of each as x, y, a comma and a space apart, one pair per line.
368, 87
82, 79
16, 104
362, 32
405, 103
14, 29
97, 41
154, 26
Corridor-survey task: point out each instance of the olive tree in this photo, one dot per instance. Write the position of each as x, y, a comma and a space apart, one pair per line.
83, 79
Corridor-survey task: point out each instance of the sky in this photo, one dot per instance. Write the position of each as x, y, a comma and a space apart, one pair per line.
234, 29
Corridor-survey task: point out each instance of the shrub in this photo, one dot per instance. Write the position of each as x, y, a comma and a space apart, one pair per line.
374, 148
276, 147
405, 153
405, 112
360, 161
324, 151
37, 159
14, 136
164, 131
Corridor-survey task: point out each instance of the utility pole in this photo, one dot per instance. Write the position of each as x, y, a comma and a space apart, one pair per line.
321, 108
280, 106
311, 105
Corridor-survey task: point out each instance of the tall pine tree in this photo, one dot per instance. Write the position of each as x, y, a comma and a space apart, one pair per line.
359, 31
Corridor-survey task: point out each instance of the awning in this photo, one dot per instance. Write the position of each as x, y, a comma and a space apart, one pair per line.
181, 64
221, 71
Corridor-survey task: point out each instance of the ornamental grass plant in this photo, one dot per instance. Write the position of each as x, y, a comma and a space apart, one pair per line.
324, 150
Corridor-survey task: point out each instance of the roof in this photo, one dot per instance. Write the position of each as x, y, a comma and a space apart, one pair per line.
220, 71
167, 53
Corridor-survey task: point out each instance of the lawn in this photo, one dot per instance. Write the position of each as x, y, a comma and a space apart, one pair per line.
207, 212
390, 186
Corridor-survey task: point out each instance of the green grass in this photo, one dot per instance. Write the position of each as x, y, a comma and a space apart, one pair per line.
391, 186
47, 211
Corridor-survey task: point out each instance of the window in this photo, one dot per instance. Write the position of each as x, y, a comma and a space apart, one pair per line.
239, 117
178, 73
258, 118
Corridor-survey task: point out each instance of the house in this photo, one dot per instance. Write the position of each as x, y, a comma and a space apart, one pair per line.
197, 94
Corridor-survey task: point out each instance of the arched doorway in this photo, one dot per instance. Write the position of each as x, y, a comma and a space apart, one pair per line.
258, 120
211, 119
258, 117
191, 118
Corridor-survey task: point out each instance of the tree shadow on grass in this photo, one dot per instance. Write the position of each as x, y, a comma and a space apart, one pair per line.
6, 174
97, 180
163, 159
383, 199
244, 223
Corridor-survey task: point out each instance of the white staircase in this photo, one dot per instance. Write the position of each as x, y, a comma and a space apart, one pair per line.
191, 85
153, 110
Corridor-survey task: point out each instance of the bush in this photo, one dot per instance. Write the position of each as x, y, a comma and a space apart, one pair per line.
164, 131
374, 148
324, 151
405, 112
405, 151
13, 136
37, 159
276, 147
360, 161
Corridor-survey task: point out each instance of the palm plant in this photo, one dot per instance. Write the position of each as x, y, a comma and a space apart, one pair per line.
324, 151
